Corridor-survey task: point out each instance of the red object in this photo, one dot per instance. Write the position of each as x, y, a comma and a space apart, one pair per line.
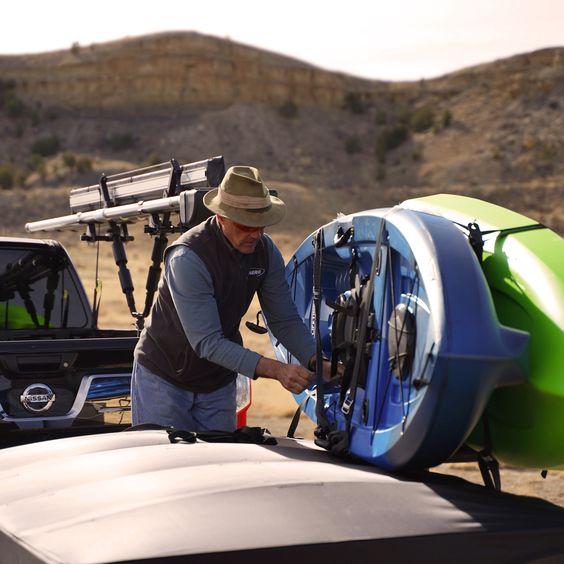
242, 413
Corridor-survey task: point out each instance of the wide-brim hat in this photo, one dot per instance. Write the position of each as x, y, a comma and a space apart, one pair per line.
243, 198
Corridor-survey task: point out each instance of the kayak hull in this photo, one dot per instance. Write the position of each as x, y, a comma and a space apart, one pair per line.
427, 268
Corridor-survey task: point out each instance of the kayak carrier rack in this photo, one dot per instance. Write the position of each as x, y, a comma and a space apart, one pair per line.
153, 193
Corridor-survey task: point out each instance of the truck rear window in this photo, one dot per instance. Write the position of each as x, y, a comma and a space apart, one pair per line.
37, 290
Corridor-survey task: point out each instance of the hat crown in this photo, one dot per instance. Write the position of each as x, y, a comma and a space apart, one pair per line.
244, 181
243, 198
243, 188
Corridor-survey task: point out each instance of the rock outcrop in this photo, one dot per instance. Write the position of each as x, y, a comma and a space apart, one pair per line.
175, 70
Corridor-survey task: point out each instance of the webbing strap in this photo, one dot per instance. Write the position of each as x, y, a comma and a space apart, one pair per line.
487, 463
23, 290
320, 384
302, 406
506, 231
353, 267
348, 403
519, 229
49, 298
296, 419
249, 435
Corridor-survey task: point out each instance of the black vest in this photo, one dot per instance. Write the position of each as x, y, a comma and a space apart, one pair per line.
163, 347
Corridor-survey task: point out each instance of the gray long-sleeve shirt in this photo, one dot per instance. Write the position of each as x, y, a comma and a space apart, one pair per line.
192, 291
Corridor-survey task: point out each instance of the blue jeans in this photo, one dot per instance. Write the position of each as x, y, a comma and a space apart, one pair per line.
154, 400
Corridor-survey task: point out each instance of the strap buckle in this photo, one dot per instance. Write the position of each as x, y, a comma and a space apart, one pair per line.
347, 404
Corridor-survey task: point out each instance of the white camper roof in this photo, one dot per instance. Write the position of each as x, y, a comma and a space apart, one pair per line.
131, 496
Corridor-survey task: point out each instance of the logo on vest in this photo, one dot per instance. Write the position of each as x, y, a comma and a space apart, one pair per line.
256, 271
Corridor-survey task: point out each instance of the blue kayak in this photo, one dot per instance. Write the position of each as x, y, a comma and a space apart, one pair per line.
398, 297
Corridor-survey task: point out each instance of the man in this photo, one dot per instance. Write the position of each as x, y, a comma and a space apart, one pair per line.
189, 354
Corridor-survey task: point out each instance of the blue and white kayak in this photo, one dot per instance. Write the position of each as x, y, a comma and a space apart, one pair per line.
421, 367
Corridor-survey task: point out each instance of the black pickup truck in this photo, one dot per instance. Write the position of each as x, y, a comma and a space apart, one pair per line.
57, 368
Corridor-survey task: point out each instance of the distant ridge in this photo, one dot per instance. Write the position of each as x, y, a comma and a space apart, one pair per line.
174, 69
190, 70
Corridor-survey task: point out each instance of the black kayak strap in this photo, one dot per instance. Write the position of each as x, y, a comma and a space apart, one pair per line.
476, 235
506, 231
487, 463
247, 435
320, 384
301, 407
350, 396
296, 419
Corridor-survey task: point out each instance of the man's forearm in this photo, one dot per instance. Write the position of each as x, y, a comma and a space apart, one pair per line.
268, 368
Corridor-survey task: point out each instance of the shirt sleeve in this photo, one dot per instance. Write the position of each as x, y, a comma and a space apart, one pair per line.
281, 312
192, 292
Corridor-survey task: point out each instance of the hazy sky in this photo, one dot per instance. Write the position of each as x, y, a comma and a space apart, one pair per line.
392, 40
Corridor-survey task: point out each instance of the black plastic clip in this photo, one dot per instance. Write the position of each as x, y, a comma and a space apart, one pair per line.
476, 240
489, 468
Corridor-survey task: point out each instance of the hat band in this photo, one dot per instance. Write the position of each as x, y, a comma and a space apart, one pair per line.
244, 202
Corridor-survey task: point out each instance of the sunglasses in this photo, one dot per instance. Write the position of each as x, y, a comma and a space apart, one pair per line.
244, 228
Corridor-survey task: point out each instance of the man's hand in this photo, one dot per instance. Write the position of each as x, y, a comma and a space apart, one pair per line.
293, 377
327, 368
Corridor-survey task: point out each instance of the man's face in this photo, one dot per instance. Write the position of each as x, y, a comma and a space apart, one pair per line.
243, 238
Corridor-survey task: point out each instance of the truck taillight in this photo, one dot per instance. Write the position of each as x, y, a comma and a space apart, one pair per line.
244, 398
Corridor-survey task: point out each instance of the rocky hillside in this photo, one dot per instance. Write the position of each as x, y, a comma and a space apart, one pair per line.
495, 130
173, 71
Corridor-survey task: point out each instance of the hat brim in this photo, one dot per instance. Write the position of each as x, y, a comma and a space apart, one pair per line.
260, 218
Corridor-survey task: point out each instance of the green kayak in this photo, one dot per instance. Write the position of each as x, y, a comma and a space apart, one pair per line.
523, 262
